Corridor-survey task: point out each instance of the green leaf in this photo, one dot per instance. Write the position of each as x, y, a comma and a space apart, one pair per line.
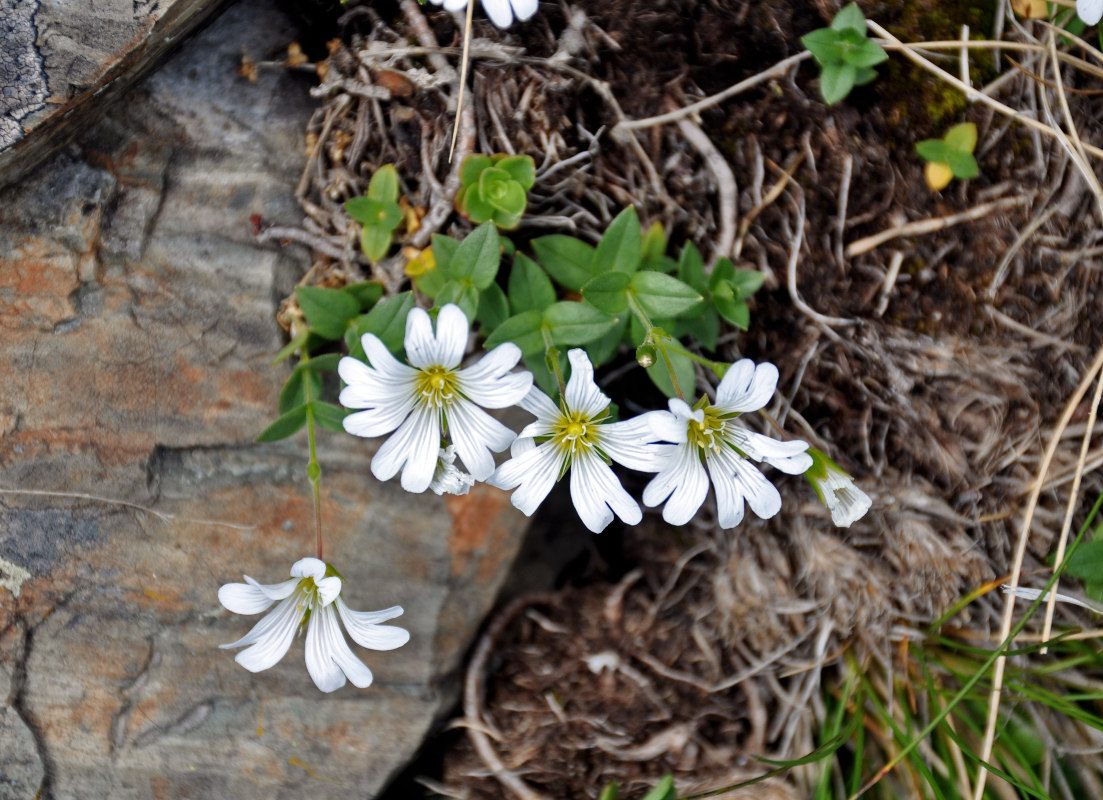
493, 307
287, 425
864, 75
824, 46
663, 295
328, 415
504, 221
603, 349
664, 790
444, 247
387, 321
610, 791
705, 328
620, 248
431, 282
291, 395
683, 368
366, 293
472, 167
746, 282
383, 185
723, 272
542, 376
653, 247
327, 311
691, 268
864, 53
289, 349
934, 150
374, 213
849, 17
521, 168
529, 286
1086, 563
462, 294
963, 165
732, 308
375, 241
523, 330
962, 137
474, 206
476, 259
327, 362
606, 292
836, 81
567, 260
573, 323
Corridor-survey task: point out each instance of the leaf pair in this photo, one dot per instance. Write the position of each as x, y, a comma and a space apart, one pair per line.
845, 54
378, 212
951, 156
464, 272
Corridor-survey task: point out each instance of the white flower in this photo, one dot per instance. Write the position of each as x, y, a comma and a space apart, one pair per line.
501, 12
432, 394
837, 490
575, 436
1090, 11
709, 438
313, 597
448, 478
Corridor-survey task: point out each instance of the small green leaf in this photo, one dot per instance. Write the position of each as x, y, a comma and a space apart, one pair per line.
327, 311
542, 376
462, 294
474, 206
444, 247
493, 307
620, 247
864, 75
289, 349
476, 259
849, 17
691, 268
864, 53
366, 293
567, 260
375, 241
603, 349
746, 282
472, 167
523, 330
387, 321
705, 328
521, 168
287, 425
934, 150
732, 308
572, 323
606, 292
328, 415
962, 137
327, 362
963, 165
683, 368
1086, 562
653, 247
824, 46
663, 295
610, 791
430, 283
291, 395
529, 286
383, 186
836, 81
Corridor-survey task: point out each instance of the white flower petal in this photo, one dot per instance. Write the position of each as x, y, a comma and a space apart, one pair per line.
421, 344
746, 387
309, 568
413, 449
499, 11
533, 472
847, 504
582, 395
683, 481
328, 589
452, 328
377, 421
728, 488
790, 457
386, 367
490, 383
323, 639
365, 630
539, 405
667, 427
1090, 11
271, 637
524, 9
762, 496
252, 597
454, 5
475, 433
595, 490
521, 445
632, 443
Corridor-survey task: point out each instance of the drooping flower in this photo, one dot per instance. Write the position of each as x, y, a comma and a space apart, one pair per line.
312, 597
501, 12
575, 436
837, 490
448, 478
707, 443
420, 401
1090, 11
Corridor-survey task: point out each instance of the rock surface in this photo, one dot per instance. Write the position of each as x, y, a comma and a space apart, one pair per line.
137, 317
62, 61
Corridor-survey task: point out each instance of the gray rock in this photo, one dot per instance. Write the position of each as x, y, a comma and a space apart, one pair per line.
63, 61
138, 329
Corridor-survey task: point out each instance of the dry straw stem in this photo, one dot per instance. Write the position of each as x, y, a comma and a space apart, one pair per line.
970, 92
1017, 563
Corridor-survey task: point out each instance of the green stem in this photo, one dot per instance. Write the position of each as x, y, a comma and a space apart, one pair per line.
551, 358
313, 468
660, 340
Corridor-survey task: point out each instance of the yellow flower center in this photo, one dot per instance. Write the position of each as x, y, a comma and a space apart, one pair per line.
574, 431
707, 434
436, 386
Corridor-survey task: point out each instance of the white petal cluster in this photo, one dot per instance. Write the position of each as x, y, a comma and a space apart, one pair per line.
448, 478
837, 490
1090, 11
501, 12
575, 437
708, 445
421, 400
313, 595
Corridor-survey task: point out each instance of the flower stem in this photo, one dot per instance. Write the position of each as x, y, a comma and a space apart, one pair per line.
551, 359
659, 338
313, 468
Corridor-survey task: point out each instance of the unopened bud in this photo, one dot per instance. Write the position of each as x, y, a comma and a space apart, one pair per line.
645, 355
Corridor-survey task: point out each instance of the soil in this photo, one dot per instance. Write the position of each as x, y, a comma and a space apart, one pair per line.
937, 390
